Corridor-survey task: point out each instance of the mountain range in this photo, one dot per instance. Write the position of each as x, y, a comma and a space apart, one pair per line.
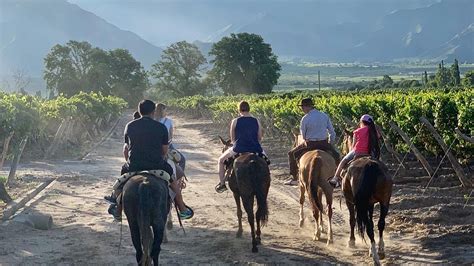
322, 30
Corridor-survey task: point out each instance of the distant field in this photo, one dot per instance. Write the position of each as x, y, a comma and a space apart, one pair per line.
304, 75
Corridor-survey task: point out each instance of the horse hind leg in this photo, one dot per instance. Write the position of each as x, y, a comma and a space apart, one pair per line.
370, 232
169, 224
317, 228
239, 215
248, 205
302, 191
381, 227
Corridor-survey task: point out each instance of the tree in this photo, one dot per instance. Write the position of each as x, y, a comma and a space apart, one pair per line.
425, 78
468, 80
67, 68
127, 78
442, 77
179, 70
455, 74
77, 66
387, 81
243, 63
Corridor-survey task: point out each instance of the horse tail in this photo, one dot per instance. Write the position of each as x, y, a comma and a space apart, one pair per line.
314, 172
144, 220
260, 192
364, 193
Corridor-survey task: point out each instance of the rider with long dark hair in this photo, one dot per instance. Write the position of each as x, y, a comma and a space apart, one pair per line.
365, 142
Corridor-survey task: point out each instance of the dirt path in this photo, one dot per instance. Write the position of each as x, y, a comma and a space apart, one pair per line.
85, 234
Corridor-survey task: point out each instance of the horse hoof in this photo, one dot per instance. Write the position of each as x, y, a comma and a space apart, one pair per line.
301, 223
315, 238
239, 234
381, 255
258, 240
254, 250
330, 241
351, 244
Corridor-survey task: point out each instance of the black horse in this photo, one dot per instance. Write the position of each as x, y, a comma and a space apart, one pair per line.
146, 204
249, 178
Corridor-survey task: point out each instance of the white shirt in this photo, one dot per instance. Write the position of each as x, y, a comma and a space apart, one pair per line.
167, 122
316, 125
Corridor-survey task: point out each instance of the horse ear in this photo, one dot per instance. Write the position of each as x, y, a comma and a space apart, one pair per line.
295, 131
347, 132
222, 140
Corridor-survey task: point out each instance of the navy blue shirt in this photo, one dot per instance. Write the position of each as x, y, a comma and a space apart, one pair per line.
145, 138
246, 135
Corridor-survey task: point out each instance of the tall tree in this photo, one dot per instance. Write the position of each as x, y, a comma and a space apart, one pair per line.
425, 78
179, 70
455, 74
244, 63
468, 80
77, 66
127, 79
442, 76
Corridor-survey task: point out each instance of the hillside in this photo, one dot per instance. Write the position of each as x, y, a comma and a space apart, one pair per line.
30, 28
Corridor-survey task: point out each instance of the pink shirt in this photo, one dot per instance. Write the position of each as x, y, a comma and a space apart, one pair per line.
362, 140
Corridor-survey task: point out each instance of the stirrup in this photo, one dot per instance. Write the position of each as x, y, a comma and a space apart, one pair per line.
220, 188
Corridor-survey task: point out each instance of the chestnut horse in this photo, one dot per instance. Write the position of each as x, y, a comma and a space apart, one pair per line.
249, 178
365, 183
315, 167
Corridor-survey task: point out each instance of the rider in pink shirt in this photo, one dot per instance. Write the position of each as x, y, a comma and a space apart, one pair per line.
365, 142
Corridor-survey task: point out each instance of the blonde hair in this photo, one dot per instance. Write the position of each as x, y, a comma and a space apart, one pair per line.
160, 108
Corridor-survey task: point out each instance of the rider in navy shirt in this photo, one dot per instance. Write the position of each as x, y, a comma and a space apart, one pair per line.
245, 134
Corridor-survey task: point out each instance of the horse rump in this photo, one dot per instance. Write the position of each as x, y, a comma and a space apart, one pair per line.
145, 203
364, 193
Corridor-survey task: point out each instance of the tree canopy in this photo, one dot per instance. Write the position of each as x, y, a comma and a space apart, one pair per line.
77, 66
244, 63
179, 71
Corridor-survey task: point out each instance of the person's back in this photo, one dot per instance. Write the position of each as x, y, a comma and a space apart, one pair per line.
145, 138
246, 135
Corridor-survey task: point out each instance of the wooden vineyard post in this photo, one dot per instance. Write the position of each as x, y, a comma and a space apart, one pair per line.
389, 147
4, 194
454, 162
463, 136
6, 144
16, 160
417, 153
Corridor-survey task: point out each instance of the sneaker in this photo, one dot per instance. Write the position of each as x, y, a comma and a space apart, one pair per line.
113, 210
291, 182
110, 199
187, 214
334, 182
220, 188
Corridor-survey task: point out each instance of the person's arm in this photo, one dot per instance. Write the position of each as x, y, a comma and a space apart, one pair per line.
232, 130
332, 133
260, 131
125, 151
171, 133
164, 141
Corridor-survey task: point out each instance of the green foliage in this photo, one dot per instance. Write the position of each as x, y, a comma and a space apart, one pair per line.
244, 63
455, 74
29, 115
178, 71
77, 66
444, 109
468, 80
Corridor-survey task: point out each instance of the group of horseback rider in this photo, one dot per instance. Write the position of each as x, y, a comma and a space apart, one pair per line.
148, 142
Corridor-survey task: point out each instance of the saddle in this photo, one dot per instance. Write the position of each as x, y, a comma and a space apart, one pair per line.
161, 174
230, 161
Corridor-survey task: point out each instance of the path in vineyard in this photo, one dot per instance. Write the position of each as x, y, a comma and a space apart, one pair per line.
85, 234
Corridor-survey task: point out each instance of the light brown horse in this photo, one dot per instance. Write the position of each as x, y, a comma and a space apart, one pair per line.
315, 167
249, 178
365, 183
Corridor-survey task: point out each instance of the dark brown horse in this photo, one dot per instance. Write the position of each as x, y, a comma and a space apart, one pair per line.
146, 204
365, 183
249, 178
315, 167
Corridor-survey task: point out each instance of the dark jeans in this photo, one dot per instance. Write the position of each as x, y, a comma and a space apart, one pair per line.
297, 152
